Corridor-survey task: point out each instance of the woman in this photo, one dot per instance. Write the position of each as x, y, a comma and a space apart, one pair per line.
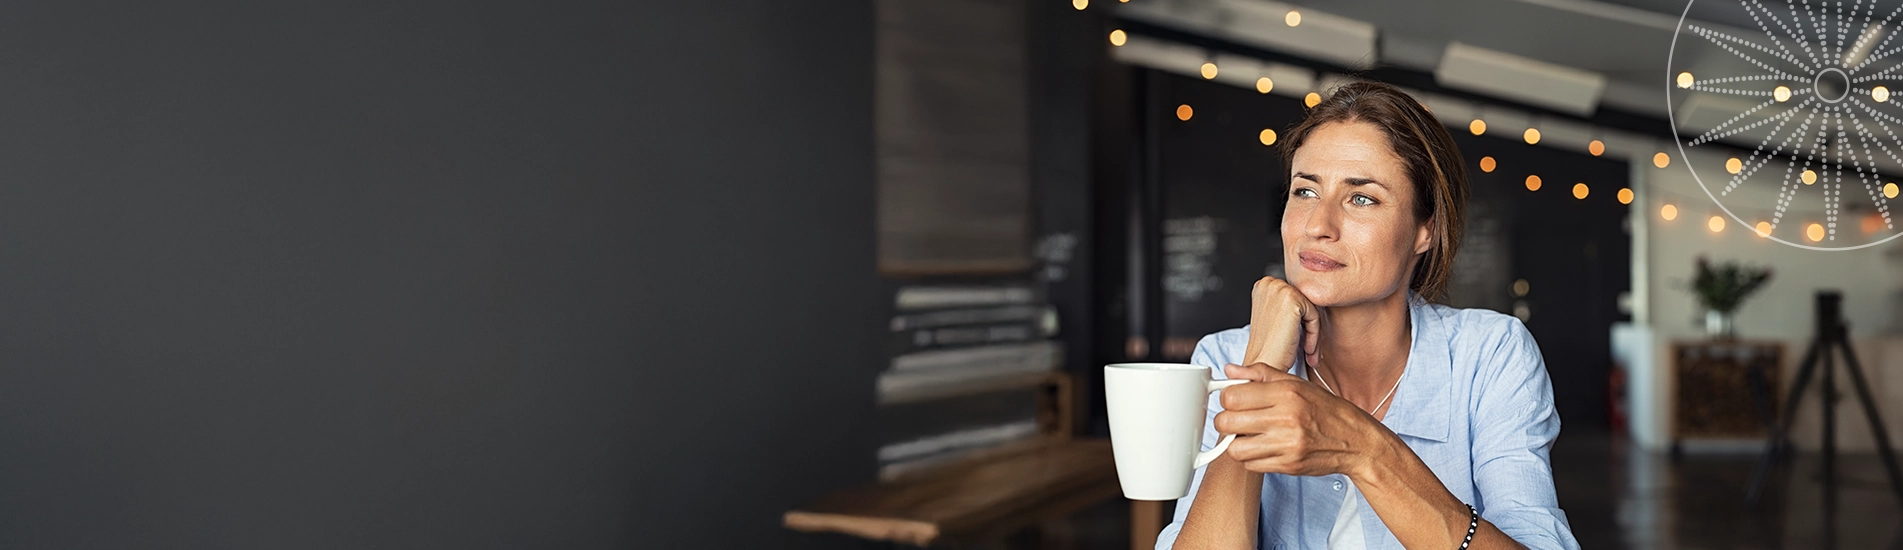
1398, 414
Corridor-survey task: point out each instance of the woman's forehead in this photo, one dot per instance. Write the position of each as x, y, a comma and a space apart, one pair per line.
1348, 146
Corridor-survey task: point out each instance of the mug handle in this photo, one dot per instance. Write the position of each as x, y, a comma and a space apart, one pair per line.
1205, 457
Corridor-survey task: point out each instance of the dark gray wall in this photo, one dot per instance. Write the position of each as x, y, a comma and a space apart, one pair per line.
432, 275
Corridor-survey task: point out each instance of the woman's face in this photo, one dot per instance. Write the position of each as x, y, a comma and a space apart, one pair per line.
1348, 233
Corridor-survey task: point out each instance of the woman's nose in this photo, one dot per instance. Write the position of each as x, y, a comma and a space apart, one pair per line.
1321, 222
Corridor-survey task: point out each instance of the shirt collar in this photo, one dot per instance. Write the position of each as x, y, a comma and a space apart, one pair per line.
1422, 406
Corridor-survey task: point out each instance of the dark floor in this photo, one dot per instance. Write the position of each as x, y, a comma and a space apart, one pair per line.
1617, 496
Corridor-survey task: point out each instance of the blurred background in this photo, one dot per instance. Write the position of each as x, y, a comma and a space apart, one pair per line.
844, 274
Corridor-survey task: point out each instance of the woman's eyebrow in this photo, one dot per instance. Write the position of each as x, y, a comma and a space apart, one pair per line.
1362, 181
1307, 176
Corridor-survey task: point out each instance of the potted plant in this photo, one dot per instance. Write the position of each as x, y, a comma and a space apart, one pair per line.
1721, 289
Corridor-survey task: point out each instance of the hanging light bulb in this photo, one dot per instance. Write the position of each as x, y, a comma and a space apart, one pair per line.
1668, 212
1477, 127
1596, 147
1764, 229
1661, 159
1209, 70
1684, 80
1264, 84
1625, 195
1532, 183
1580, 190
1532, 136
1716, 224
1486, 164
1117, 37
1294, 18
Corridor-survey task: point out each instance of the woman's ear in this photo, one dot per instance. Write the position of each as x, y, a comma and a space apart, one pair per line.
1424, 236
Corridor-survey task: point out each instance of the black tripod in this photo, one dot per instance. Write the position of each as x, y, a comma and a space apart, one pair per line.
1832, 334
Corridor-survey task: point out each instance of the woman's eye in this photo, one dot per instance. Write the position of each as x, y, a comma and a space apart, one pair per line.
1362, 200
1304, 192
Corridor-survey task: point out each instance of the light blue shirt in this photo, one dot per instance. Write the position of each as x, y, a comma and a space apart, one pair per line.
1474, 403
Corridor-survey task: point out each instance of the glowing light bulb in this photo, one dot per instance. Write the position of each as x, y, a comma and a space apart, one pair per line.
1809, 177
1532, 183
1532, 136
1596, 147
1625, 195
1268, 137
1781, 93
1684, 80
1889, 190
1117, 37
1716, 224
1183, 112
1815, 231
1080, 4
1209, 71
1734, 165
1668, 212
1312, 99
1661, 160
1764, 229
1293, 18
1264, 84
1580, 191
1477, 127
1486, 164
1880, 94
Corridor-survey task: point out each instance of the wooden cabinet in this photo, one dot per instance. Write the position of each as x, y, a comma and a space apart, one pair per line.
1725, 389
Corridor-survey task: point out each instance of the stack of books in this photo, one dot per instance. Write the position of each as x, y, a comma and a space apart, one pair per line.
966, 363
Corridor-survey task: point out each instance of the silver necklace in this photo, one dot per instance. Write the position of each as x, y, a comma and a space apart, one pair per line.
1377, 406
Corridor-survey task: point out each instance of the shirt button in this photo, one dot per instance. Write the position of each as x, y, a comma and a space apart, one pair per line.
1337, 486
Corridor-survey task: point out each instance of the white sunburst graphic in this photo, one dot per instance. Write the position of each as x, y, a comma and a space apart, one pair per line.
1815, 144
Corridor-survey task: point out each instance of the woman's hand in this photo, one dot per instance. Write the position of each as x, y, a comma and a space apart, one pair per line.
1287, 425
1280, 318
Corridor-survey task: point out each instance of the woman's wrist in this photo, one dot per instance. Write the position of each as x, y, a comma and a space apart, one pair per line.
1373, 457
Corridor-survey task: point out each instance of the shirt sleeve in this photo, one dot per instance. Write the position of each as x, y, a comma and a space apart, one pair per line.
1514, 424
1208, 353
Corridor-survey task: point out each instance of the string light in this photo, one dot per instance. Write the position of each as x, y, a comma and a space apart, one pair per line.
1312, 99
1532, 136
1209, 70
1293, 18
1815, 231
1880, 94
1486, 164
1117, 37
1889, 190
1596, 147
1809, 177
1264, 84
1716, 224
1684, 80
1580, 191
1734, 165
1268, 137
1661, 160
1477, 127
1080, 4
1532, 183
1668, 212
1764, 229
1183, 112
1781, 93
1625, 195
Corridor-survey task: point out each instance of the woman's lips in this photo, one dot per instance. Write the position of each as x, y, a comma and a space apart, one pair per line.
1316, 261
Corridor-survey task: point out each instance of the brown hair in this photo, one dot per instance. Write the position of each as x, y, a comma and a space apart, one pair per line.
1428, 151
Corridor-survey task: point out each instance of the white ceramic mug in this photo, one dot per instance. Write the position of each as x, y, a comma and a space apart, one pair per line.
1157, 412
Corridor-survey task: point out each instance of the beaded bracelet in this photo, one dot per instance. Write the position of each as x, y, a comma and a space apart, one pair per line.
1473, 524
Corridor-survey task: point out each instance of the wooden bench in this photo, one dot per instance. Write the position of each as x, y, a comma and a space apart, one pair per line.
986, 497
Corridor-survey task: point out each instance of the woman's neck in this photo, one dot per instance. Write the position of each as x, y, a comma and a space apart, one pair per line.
1364, 348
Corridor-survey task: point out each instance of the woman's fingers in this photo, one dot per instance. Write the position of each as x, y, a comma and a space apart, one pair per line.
1278, 314
1259, 372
